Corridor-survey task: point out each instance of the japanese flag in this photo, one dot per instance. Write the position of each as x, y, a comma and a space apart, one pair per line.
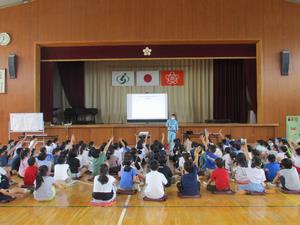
147, 78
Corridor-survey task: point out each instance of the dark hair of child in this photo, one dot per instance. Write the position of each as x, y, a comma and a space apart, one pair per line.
127, 165
43, 170
188, 166
154, 165
31, 161
271, 158
256, 162
42, 156
219, 162
103, 178
24, 153
241, 160
287, 163
297, 150
61, 160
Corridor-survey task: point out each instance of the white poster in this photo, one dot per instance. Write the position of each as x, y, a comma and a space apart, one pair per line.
147, 78
26, 122
122, 78
2, 81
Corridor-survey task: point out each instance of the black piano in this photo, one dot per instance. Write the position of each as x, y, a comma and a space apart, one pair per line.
80, 115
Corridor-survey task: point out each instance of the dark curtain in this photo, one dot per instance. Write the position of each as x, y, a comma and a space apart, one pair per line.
230, 99
46, 92
250, 76
72, 79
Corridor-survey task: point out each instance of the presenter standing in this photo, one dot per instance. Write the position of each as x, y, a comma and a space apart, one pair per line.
172, 126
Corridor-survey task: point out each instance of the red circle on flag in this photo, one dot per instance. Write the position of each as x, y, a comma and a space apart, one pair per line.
147, 78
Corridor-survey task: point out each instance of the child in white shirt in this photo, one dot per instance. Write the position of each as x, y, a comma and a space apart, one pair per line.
155, 182
256, 176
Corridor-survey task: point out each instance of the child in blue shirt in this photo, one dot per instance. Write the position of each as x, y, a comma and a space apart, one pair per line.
189, 184
128, 176
271, 168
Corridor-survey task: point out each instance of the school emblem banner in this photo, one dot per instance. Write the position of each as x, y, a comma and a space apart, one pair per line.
122, 78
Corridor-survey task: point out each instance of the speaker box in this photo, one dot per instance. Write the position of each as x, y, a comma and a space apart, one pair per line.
12, 66
285, 62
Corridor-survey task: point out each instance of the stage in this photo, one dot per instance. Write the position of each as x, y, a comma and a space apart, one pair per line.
102, 132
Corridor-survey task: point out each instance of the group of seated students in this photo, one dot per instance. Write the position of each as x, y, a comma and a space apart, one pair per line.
115, 168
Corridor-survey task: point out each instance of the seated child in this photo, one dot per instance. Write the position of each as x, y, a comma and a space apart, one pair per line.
6, 194
30, 173
104, 190
155, 182
128, 176
42, 160
164, 169
189, 184
24, 156
288, 176
74, 164
62, 170
219, 178
112, 161
271, 168
44, 185
296, 160
256, 176
239, 171
3, 156
99, 157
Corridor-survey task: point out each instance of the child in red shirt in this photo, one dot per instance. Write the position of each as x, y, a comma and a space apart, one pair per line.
219, 177
30, 172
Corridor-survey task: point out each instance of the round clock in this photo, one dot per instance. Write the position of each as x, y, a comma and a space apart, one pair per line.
4, 39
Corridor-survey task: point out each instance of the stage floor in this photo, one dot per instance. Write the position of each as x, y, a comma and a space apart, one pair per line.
71, 206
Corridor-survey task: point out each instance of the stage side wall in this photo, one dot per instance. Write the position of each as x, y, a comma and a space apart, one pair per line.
273, 22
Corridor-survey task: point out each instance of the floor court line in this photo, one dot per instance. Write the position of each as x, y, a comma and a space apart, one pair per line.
154, 206
123, 213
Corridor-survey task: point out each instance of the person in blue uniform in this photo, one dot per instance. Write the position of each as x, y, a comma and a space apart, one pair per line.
172, 126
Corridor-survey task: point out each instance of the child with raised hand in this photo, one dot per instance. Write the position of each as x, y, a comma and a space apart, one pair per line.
44, 185
288, 176
104, 190
219, 180
24, 156
189, 184
155, 182
99, 157
74, 163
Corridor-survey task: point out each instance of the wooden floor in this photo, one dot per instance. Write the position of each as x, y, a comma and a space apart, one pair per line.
71, 206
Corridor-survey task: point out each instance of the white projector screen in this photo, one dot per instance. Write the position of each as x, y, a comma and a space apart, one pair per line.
26, 122
147, 107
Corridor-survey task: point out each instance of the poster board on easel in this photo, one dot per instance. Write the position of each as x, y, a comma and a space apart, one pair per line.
26, 123
293, 128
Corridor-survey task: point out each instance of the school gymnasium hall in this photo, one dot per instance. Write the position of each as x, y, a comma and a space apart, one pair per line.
149, 112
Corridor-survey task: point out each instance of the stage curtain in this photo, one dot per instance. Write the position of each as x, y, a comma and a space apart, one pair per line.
230, 94
72, 79
249, 69
192, 102
46, 82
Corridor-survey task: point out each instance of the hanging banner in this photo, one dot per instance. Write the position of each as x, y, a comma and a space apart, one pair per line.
172, 77
122, 78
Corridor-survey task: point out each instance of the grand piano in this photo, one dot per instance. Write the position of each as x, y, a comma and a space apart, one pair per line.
80, 115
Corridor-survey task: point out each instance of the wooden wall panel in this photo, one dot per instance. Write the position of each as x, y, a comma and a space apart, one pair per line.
102, 133
275, 23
